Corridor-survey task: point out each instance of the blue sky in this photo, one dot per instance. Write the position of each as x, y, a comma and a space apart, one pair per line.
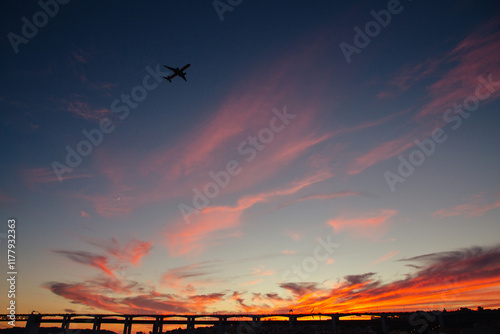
310, 148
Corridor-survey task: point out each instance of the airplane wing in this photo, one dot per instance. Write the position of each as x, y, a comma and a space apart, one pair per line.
170, 68
183, 77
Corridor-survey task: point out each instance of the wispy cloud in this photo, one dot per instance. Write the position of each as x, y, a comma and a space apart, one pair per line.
380, 153
5, 199
457, 71
339, 194
81, 56
97, 261
36, 176
117, 257
82, 109
385, 257
132, 252
370, 225
477, 206
215, 223
190, 277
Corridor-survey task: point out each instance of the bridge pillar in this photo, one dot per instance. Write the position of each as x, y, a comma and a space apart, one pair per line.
96, 326
158, 325
383, 320
335, 322
33, 324
222, 325
65, 322
256, 325
190, 323
127, 326
291, 321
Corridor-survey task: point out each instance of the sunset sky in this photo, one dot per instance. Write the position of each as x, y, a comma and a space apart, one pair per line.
322, 155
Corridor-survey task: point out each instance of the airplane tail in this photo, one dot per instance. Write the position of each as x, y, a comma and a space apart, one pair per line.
168, 78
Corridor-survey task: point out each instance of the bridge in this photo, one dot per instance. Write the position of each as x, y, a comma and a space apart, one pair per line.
251, 323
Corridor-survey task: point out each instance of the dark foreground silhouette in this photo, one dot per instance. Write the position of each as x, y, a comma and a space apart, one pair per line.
463, 321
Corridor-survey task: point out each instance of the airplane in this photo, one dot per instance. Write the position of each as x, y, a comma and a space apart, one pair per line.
177, 72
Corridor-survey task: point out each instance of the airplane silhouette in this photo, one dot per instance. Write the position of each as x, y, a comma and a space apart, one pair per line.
177, 72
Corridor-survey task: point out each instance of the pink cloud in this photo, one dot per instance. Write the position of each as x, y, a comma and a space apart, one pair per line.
84, 214
295, 236
369, 225
261, 272
385, 257
380, 153
4, 199
339, 194
473, 57
215, 223
254, 282
84, 110
96, 261
132, 252
173, 170
189, 278
43, 175
477, 207
384, 95
81, 56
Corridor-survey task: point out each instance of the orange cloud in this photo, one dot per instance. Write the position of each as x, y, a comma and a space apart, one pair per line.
462, 278
94, 296
465, 278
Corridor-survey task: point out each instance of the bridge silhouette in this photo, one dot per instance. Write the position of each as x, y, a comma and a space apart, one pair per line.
251, 323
